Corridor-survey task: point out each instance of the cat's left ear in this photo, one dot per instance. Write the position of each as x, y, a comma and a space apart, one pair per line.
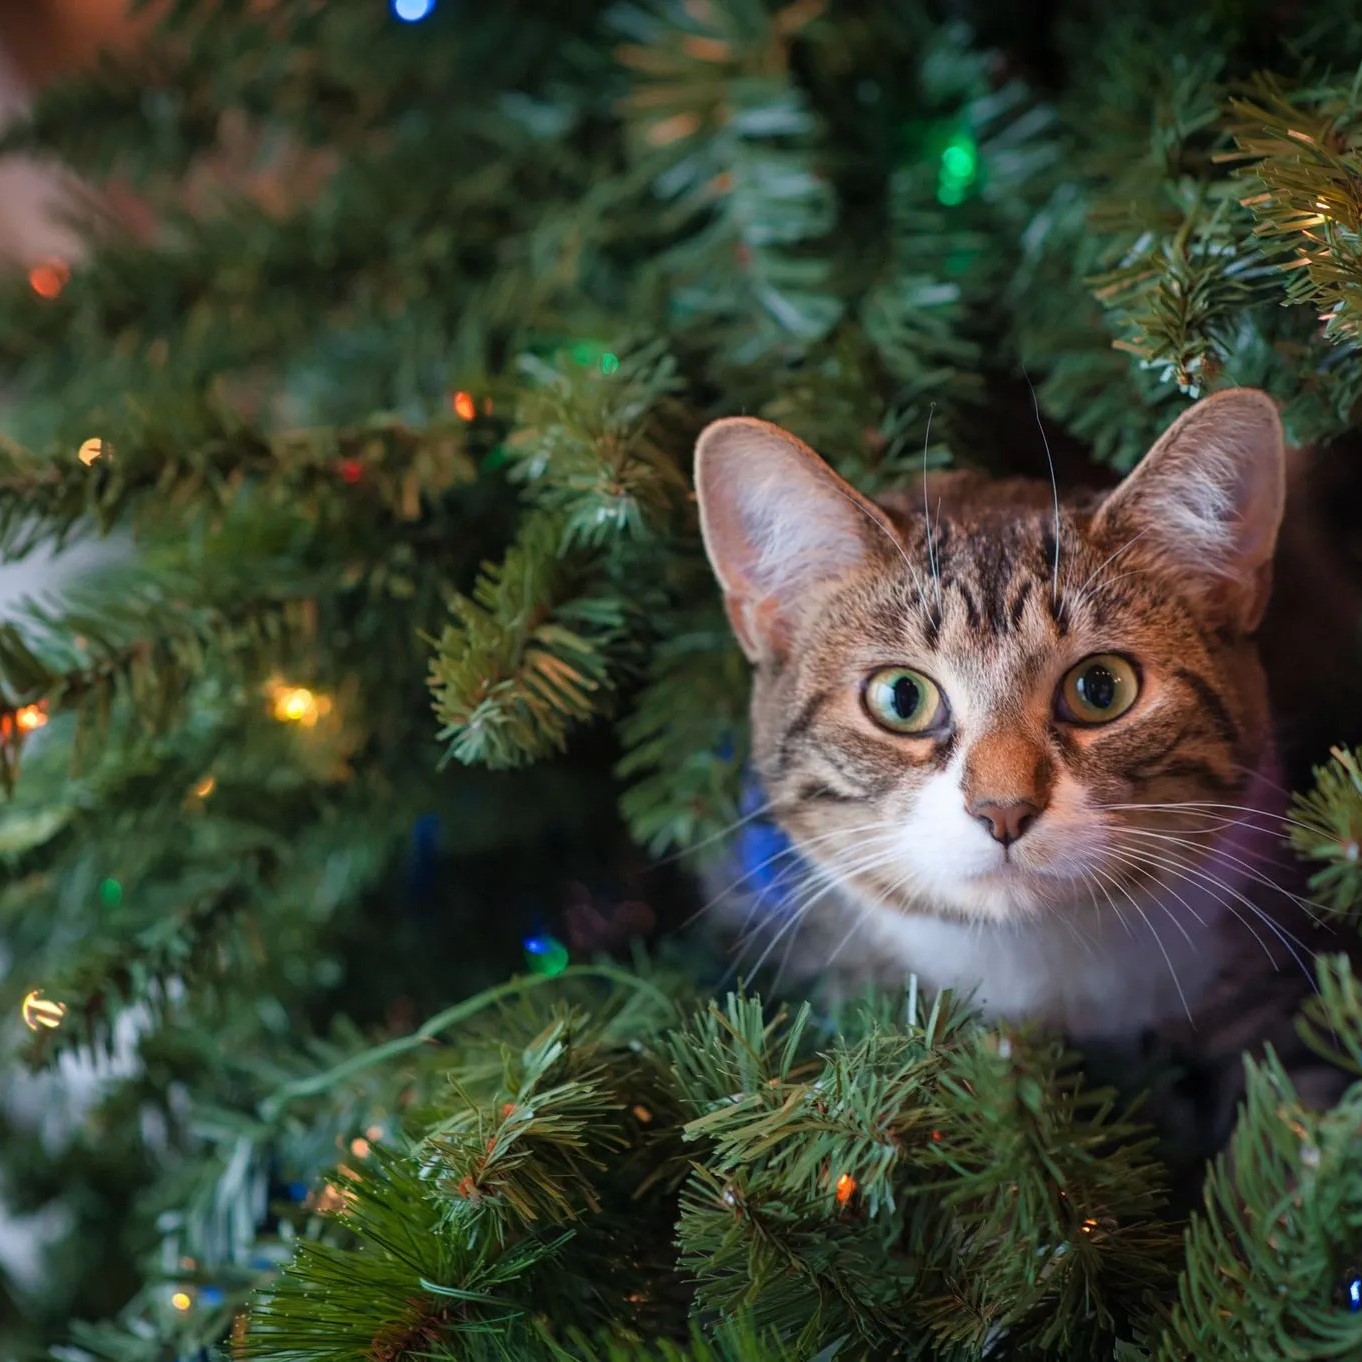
1209, 496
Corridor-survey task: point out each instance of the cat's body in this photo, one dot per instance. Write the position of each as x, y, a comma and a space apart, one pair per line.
1086, 828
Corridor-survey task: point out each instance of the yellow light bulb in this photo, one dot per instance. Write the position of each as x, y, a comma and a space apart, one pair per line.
182, 1300
205, 787
30, 717
91, 450
298, 705
41, 1013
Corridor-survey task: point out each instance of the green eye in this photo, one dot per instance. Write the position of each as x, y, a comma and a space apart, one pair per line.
903, 701
1098, 690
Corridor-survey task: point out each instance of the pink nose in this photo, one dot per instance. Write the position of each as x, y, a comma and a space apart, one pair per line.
1006, 822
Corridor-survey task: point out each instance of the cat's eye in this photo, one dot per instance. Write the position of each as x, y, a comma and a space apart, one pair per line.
904, 701
1098, 690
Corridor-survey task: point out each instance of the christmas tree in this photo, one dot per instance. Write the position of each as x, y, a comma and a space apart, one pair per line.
348, 796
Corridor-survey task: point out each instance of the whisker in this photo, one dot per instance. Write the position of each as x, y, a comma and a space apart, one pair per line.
1264, 777
1088, 594
1220, 854
866, 909
1189, 873
1196, 805
793, 850
1111, 556
1089, 588
857, 922
716, 836
932, 562
1120, 916
1167, 959
837, 871
1121, 576
902, 552
1162, 885
832, 879
1183, 867
1054, 483
1177, 922
1211, 832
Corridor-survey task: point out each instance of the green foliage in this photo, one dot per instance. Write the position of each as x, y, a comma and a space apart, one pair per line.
396, 371
857, 1193
526, 656
729, 140
686, 738
548, 633
1283, 1204
1301, 148
421, 1283
1326, 827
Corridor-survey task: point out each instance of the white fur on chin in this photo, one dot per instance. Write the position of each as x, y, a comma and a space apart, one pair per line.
1079, 966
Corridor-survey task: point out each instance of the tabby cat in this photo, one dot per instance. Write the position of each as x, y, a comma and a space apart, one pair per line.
1020, 746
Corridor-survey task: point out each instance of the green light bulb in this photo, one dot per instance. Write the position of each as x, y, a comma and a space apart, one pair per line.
546, 955
959, 160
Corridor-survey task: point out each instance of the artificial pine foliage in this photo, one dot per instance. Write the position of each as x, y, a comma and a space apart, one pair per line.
405, 661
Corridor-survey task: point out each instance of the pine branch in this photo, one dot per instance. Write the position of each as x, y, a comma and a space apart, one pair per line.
1301, 155
173, 300
685, 738
1177, 297
129, 649
529, 655
522, 1154
795, 1269
542, 643
151, 113
212, 909
421, 1283
597, 444
1282, 1215
193, 463
731, 139
735, 1339
531, 1156
1326, 828
841, 403
1056, 1199
1331, 1020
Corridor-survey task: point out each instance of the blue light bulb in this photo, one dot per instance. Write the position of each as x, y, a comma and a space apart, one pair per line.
413, 11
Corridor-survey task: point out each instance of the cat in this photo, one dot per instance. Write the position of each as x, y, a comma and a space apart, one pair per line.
1020, 746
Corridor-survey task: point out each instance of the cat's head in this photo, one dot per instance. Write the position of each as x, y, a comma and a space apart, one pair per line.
975, 703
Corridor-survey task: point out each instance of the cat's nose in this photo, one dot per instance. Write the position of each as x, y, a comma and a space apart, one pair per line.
1006, 822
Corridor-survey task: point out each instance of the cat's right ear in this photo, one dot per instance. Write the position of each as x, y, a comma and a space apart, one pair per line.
777, 521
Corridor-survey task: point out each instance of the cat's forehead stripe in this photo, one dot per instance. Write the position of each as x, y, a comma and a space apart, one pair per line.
992, 569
